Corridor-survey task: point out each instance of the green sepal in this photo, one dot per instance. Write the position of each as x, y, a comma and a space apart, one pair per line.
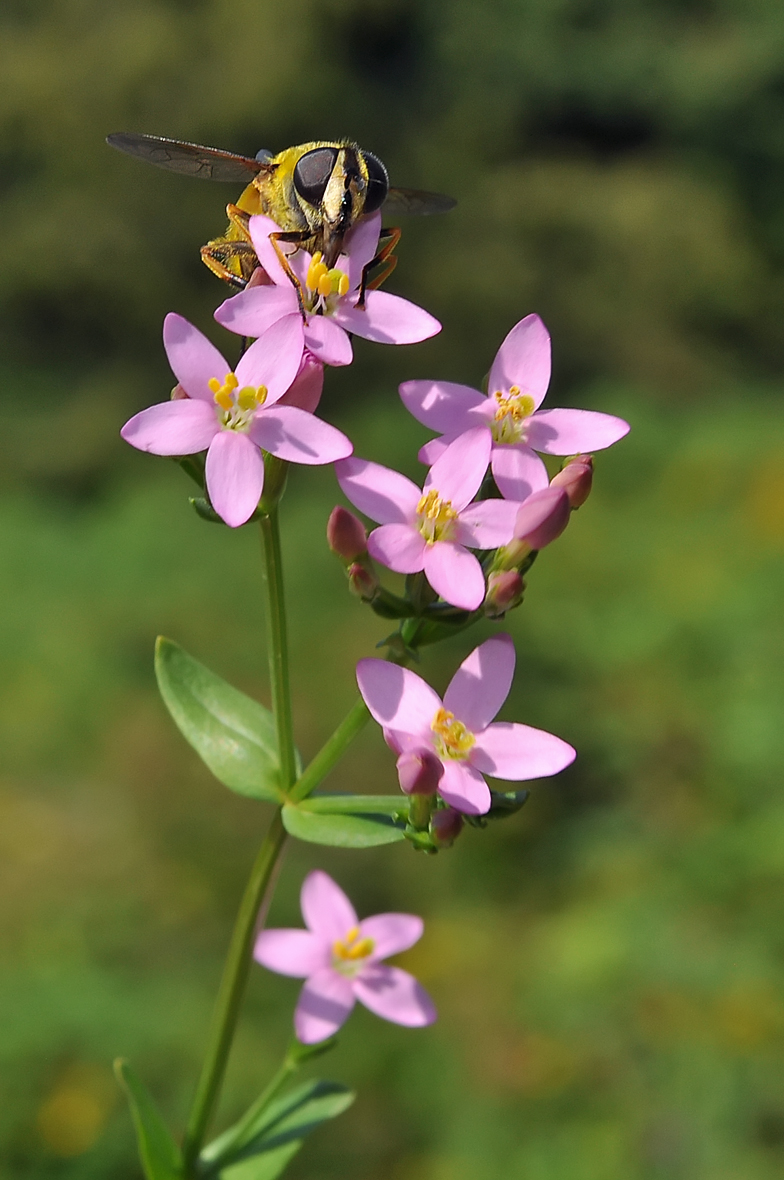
278, 1132
357, 828
159, 1154
205, 510
502, 805
232, 733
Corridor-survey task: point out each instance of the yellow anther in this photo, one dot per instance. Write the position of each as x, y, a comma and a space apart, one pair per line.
246, 398
224, 399
453, 738
214, 384
261, 395
316, 271
436, 516
516, 405
231, 381
316, 259
343, 283
352, 948
325, 285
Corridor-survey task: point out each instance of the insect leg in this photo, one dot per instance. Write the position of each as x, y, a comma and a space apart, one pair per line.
383, 264
293, 235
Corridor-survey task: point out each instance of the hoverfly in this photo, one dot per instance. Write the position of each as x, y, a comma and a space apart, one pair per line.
315, 192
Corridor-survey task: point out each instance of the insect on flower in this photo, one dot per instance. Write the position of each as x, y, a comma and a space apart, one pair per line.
315, 192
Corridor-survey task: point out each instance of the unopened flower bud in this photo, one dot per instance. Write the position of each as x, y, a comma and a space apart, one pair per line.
504, 591
576, 479
178, 394
445, 826
346, 534
305, 391
362, 581
543, 517
419, 772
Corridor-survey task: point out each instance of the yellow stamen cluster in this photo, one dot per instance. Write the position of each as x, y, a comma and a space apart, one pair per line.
512, 412
235, 401
453, 738
436, 517
324, 281
350, 950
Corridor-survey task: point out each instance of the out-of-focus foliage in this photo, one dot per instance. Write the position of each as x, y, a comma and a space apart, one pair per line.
608, 963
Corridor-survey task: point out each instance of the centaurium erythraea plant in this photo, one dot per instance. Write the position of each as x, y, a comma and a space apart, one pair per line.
248, 416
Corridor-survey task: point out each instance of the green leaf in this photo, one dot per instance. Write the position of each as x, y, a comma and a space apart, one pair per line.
334, 804
277, 1134
232, 733
158, 1152
341, 830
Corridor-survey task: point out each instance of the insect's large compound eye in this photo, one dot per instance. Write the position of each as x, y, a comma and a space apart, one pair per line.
312, 172
378, 183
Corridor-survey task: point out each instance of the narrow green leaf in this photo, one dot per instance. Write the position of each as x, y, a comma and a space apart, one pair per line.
342, 831
267, 1166
158, 1152
334, 804
232, 733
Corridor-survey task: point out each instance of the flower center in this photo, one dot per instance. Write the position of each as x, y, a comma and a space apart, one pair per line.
511, 415
236, 407
436, 517
453, 738
324, 286
349, 953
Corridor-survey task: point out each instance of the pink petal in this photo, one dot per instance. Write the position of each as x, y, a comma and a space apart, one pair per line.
458, 473
359, 248
324, 1005
455, 574
391, 933
326, 909
400, 547
524, 360
235, 476
397, 698
387, 319
194, 360
181, 427
481, 684
435, 448
573, 432
442, 405
292, 952
253, 311
518, 752
297, 436
394, 995
486, 524
327, 341
305, 393
274, 359
517, 471
260, 228
463, 788
381, 493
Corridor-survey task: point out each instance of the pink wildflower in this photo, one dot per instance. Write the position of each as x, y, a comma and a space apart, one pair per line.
232, 415
518, 382
329, 296
461, 731
341, 960
430, 529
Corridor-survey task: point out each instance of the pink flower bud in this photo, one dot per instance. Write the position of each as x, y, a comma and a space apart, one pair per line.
362, 581
445, 827
259, 278
542, 517
346, 534
305, 391
504, 591
178, 394
419, 772
576, 479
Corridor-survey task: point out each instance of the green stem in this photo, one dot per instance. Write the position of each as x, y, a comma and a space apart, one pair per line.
261, 884
255, 902
278, 647
331, 752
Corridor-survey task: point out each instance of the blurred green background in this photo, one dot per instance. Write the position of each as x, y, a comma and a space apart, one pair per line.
608, 964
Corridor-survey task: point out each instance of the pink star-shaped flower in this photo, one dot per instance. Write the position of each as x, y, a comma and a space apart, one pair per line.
341, 960
232, 415
430, 529
518, 382
460, 731
329, 296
